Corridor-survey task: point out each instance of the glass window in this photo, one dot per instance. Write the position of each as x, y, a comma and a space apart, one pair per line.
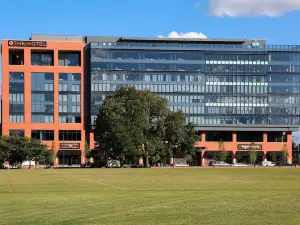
69, 58
70, 135
42, 58
43, 135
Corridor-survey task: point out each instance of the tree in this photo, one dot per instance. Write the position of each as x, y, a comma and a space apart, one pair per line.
252, 155
223, 154
189, 139
273, 157
284, 153
189, 159
19, 148
4, 150
133, 122
174, 132
238, 157
87, 151
215, 156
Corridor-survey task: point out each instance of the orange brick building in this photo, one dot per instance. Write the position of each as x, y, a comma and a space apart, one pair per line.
48, 66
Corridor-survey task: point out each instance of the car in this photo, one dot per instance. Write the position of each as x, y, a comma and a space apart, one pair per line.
268, 163
219, 163
239, 165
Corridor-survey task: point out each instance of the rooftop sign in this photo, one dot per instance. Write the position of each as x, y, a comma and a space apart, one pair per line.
41, 44
255, 44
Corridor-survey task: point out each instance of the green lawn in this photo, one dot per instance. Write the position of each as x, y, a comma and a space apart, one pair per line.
150, 196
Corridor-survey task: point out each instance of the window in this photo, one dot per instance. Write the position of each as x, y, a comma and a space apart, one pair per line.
16, 132
70, 135
69, 58
16, 118
63, 87
43, 135
75, 87
219, 136
39, 58
250, 136
16, 57
16, 76
42, 98
277, 136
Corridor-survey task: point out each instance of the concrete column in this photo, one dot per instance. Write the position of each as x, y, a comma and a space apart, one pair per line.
171, 161
82, 159
56, 160
234, 137
203, 137
203, 160
289, 145
234, 157
265, 156
234, 160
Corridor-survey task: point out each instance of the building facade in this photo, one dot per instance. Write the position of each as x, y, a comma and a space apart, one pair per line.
42, 97
241, 94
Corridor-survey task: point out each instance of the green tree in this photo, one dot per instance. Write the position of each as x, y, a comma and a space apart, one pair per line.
273, 157
189, 159
133, 122
239, 157
4, 150
215, 156
223, 154
35, 150
284, 153
87, 151
174, 134
187, 145
19, 148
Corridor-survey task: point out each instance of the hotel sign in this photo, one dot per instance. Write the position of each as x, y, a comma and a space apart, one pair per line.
40, 44
250, 147
69, 146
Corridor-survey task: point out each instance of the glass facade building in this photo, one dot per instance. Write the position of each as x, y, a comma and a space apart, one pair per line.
221, 83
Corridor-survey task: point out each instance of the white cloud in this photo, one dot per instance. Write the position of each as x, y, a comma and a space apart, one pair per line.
175, 34
252, 8
198, 4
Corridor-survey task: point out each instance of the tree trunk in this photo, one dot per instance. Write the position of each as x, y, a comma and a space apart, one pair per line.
147, 161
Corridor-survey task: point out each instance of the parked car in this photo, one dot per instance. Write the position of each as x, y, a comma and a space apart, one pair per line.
268, 163
220, 163
283, 164
239, 165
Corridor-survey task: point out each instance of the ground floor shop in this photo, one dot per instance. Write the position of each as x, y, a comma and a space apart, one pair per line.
268, 145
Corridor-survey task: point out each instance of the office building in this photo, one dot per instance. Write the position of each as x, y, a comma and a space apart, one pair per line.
241, 94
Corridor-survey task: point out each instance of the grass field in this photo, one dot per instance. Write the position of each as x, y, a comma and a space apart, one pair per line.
150, 196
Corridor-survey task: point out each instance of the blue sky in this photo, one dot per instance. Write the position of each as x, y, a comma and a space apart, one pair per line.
266, 19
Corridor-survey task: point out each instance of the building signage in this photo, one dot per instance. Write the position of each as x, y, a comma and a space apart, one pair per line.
250, 147
41, 44
69, 146
255, 44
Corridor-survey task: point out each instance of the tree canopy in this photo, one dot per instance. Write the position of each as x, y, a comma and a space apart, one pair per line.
19, 149
134, 122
